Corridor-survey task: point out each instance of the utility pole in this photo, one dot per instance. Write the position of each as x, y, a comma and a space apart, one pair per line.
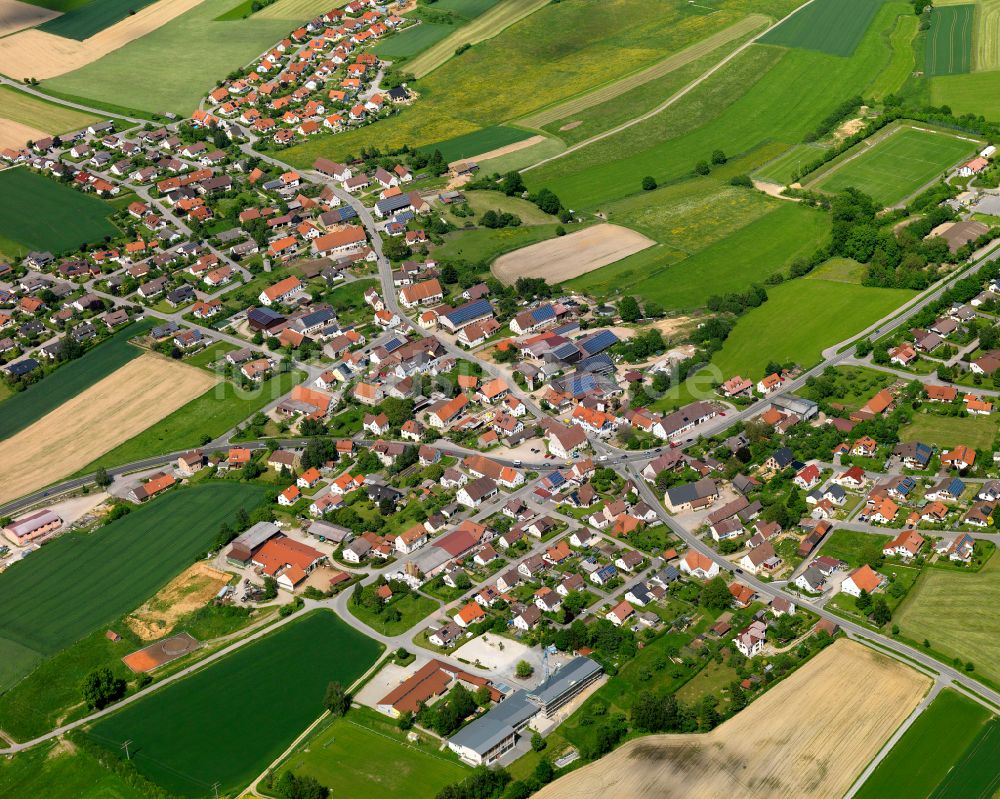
215, 787
125, 746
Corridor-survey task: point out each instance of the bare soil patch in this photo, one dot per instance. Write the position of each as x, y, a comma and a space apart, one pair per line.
507, 150
42, 55
108, 413
570, 256
188, 591
16, 16
15, 135
809, 737
570, 125
849, 128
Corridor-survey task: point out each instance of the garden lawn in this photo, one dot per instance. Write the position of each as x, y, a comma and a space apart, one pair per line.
948, 47
93, 17
211, 414
800, 319
28, 406
412, 608
57, 770
832, 26
81, 581
42, 214
977, 432
207, 728
854, 548
898, 165
41, 114
365, 754
481, 141
766, 94
954, 611
928, 749
201, 52
853, 386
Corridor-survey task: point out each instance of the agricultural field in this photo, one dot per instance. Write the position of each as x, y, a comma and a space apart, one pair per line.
186, 750
415, 39
928, 749
112, 570
26, 118
940, 607
56, 218
897, 165
948, 49
16, 15
382, 762
108, 413
470, 145
831, 26
823, 724
135, 75
296, 11
217, 410
764, 95
485, 245
798, 322
975, 775
91, 18
986, 36
978, 432
558, 52
30, 405
974, 93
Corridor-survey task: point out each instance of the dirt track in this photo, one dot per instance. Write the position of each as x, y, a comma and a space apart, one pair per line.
570, 256
510, 148
807, 738
108, 413
15, 135
41, 55
16, 16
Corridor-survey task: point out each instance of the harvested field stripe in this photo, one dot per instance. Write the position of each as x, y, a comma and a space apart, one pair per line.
610, 91
484, 27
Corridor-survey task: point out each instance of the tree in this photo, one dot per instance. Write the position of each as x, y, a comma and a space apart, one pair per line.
880, 611
101, 688
537, 742
648, 183
715, 595
629, 309
270, 588
490, 219
336, 699
101, 477
547, 202
702, 168
523, 670
718, 157
512, 184
864, 601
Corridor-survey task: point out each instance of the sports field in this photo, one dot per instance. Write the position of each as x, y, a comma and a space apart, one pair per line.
822, 725
799, 320
365, 754
137, 75
896, 165
79, 582
949, 41
261, 697
30, 405
831, 26
929, 749
940, 609
480, 141
765, 94
42, 214
977, 432
90, 18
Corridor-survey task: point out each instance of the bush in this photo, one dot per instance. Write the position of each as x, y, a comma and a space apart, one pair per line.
648, 183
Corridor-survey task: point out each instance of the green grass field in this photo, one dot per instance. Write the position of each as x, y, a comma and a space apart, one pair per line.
555, 53
56, 771
365, 754
93, 17
928, 749
201, 52
481, 141
482, 201
483, 244
977, 432
841, 270
974, 93
412, 608
41, 214
40, 114
986, 35
407, 43
975, 775
831, 26
30, 405
782, 169
853, 385
226, 722
799, 320
948, 47
764, 95
79, 582
953, 610
904, 60
210, 414
854, 548
896, 166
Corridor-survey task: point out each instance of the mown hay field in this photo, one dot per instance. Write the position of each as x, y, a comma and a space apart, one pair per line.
208, 727
832, 26
809, 737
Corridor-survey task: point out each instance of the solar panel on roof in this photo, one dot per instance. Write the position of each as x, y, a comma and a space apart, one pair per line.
599, 341
393, 344
470, 311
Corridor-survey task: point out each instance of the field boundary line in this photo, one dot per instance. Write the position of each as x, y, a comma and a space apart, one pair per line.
681, 93
619, 86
